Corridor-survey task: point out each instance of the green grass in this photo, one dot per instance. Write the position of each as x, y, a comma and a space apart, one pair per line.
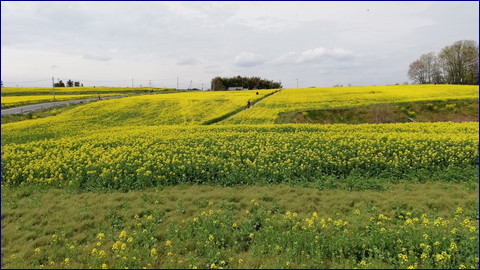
31, 216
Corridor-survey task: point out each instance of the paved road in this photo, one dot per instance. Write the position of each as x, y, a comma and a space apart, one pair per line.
41, 106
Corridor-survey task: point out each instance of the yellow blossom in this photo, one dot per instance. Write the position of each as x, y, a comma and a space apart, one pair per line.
122, 235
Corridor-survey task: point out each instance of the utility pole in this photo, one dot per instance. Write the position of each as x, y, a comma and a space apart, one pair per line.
202, 86
297, 82
53, 89
177, 82
150, 82
132, 82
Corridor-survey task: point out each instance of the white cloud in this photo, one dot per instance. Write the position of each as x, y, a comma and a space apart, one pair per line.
248, 59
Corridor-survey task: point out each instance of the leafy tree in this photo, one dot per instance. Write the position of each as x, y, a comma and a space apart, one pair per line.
69, 83
460, 62
59, 84
455, 64
219, 83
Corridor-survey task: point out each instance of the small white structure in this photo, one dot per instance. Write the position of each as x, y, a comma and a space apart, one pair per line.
236, 88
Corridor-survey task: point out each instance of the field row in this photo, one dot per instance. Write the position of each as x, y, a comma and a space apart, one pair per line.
15, 101
138, 157
27, 91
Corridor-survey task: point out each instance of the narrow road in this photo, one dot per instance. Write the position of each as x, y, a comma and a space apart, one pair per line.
41, 106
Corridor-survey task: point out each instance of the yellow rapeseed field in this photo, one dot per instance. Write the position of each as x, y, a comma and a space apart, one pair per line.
141, 156
288, 100
160, 109
159, 140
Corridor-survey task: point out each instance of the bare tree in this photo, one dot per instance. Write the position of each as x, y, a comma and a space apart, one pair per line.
426, 69
417, 72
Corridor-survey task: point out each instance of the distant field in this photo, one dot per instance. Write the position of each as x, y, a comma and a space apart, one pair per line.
15, 101
291, 100
24, 91
166, 109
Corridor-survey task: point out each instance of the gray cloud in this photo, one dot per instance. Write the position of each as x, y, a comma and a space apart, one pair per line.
316, 55
187, 61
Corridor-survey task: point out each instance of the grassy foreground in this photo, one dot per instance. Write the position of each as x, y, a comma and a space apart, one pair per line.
409, 225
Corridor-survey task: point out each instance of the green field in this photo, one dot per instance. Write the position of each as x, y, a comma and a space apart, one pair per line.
305, 178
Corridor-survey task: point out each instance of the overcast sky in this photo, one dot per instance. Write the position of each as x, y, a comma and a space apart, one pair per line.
320, 43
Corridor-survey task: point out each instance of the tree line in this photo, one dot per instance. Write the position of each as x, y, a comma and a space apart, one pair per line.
454, 64
70, 83
219, 83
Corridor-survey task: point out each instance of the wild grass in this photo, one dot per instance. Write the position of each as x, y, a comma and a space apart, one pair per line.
403, 112
54, 228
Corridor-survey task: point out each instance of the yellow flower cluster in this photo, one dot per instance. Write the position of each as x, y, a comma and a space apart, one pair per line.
146, 156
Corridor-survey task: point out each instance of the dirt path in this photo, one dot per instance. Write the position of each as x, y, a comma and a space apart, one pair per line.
233, 113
